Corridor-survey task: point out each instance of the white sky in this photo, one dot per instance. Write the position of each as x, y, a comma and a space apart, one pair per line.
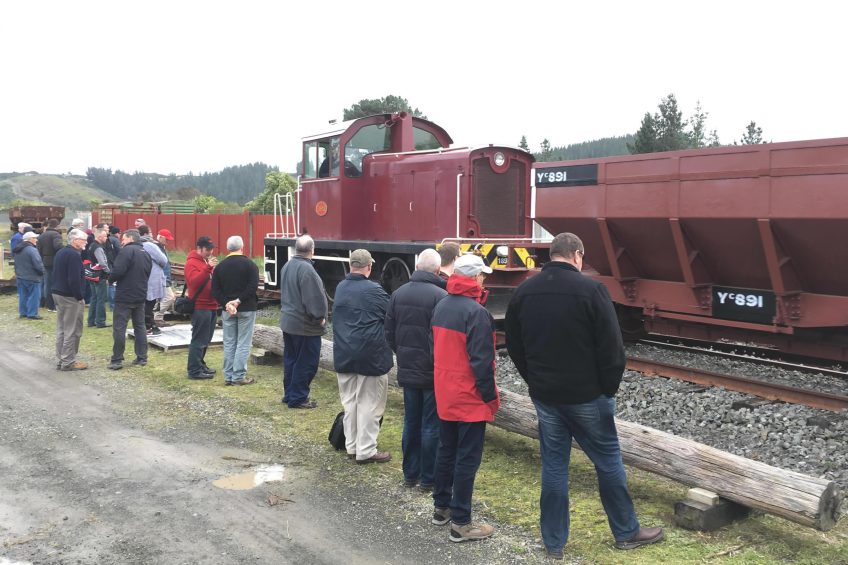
179, 86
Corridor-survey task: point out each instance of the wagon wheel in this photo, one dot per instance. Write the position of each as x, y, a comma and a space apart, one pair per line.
395, 274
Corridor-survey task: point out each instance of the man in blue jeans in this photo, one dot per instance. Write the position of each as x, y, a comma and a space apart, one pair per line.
303, 317
563, 336
408, 331
234, 284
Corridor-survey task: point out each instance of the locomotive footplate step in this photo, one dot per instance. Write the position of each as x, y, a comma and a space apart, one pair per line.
177, 337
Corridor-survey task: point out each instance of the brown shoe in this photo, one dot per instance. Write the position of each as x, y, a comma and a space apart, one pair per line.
309, 404
469, 532
75, 366
379, 457
644, 537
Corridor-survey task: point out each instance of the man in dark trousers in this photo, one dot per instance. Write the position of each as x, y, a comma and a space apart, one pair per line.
198, 276
361, 357
69, 296
409, 333
466, 395
234, 284
303, 317
563, 336
49, 243
129, 273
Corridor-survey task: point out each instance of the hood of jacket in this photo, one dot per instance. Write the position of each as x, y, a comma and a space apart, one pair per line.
464, 286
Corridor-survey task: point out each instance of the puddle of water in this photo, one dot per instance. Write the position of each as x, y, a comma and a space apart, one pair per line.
251, 479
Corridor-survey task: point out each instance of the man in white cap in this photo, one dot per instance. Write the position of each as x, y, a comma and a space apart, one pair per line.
29, 270
466, 395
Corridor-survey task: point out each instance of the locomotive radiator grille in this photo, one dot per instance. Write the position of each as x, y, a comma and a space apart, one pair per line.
498, 198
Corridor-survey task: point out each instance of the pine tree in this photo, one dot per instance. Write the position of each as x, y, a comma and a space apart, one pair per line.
753, 134
523, 144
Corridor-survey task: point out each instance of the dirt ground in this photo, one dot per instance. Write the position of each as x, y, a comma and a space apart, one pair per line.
93, 473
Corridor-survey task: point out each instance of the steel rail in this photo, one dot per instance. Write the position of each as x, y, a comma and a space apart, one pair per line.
756, 387
741, 353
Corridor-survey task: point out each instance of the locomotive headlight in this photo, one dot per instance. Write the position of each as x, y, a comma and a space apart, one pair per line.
499, 159
502, 251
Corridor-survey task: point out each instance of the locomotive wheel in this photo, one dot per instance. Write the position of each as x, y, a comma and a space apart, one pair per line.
331, 273
394, 275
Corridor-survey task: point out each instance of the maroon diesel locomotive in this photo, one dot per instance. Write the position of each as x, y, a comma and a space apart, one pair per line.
391, 184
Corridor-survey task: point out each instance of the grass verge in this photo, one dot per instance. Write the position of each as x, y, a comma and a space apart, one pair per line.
507, 486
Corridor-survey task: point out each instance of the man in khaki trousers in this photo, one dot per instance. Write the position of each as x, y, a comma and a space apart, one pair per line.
362, 358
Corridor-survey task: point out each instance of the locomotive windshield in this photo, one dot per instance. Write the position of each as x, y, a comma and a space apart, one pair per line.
321, 158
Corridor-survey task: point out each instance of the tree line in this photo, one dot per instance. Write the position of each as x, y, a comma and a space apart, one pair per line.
238, 184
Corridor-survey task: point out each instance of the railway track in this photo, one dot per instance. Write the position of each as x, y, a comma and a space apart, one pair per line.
747, 385
753, 354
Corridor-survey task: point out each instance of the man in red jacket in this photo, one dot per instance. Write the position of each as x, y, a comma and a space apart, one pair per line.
466, 395
198, 275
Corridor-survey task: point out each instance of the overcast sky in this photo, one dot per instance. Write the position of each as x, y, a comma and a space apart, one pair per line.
196, 86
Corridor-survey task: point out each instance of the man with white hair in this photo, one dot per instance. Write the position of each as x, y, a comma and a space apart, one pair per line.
409, 333
234, 284
78, 224
303, 317
18, 235
69, 296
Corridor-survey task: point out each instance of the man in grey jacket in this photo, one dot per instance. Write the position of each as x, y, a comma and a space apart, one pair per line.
303, 317
28, 271
156, 284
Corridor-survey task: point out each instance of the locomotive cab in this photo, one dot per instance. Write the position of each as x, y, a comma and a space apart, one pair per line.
392, 184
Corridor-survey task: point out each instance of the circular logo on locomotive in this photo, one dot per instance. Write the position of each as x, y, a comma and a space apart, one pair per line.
321, 208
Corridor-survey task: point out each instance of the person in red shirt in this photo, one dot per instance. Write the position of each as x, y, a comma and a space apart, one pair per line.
198, 275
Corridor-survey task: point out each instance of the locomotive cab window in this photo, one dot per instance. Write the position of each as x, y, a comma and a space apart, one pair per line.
424, 140
369, 139
321, 158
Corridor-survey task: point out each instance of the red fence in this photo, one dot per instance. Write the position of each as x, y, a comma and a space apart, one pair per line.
188, 227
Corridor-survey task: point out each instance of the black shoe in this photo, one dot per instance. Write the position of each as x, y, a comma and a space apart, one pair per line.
35, 317
105, 326
410, 483
140, 362
199, 376
154, 331
115, 365
208, 370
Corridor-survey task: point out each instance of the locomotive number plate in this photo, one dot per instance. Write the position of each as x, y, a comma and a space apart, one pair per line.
744, 305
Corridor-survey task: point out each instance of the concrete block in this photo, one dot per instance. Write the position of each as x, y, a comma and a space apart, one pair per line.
694, 515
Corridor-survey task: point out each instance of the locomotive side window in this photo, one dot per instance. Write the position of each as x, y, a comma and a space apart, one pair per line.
424, 140
321, 158
369, 139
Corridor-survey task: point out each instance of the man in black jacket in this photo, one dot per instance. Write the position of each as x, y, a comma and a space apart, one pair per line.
68, 288
234, 284
410, 336
130, 273
49, 243
361, 357
563, 336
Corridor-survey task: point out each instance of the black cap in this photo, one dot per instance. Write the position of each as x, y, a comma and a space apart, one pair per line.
206, 242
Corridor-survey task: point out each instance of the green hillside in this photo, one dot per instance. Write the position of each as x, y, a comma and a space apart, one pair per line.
73, 192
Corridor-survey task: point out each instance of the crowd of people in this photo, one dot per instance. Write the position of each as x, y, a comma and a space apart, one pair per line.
561, 331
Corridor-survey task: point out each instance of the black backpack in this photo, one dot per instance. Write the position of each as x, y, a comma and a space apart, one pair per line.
337, 437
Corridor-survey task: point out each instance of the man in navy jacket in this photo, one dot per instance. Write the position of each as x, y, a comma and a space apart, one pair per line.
410, 336
131, 270
361, 357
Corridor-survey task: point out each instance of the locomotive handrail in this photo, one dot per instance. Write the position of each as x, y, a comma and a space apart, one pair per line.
458, 177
